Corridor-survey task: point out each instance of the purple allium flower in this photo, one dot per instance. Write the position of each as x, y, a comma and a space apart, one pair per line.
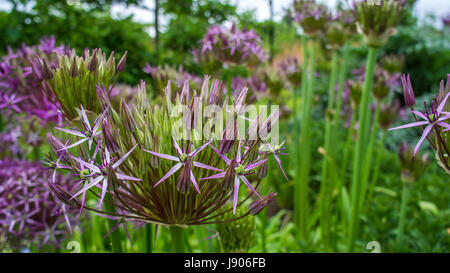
185, 161
9, 103
433, 117
237, 171
96, 174
89, 133
233, 46
21, 76
143, 136
312, 16
28, 212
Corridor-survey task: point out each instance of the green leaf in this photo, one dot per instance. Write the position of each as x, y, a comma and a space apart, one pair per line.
428, 206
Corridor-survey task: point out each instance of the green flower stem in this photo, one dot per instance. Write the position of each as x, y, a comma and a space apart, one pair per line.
299, 197
149, 238
369, 154
360, 149
115, 235
177, 237
2, 125
401, 222
36, 153
263, 213
229, 82
351, 131
293, 164
342, 77
376, 168
305, 147
325, 182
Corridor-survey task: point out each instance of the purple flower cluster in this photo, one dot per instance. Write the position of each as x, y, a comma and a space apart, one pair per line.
28, 211
20, 88
160, 77
312, 16
233, 46
257, 87
435, 118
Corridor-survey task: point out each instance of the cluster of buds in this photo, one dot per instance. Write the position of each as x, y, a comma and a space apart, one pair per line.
160, 162
313, 17
435, 125
393, 64
257, 87
412, 166
75, 80
383, 82
28, 211
340, 29
389, 112
377, 19
290, 70
161, 76
233, 46
236, 236
20, 90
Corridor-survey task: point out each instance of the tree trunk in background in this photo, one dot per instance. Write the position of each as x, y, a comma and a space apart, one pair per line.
156, 29
271, 31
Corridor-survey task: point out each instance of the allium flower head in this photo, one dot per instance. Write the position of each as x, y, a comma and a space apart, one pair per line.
233, 46
153, 157
377, 19
28, 211
412, 167
92, 70
21, 75
160, 77
312, 16
290, 70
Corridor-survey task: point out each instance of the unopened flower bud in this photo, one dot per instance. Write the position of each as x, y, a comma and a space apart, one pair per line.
408, 92
258, 205
92, 66
73, 69
122, 62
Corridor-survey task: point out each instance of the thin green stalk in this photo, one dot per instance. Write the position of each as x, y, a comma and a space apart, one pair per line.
177, 238
401, 222
342, 77
358, 157
115, 235
305, 147
296, 129
325, 187
351, 131
229, 82
149, 238
369, 154
300, 198
263, 213
1, 123
377, 167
